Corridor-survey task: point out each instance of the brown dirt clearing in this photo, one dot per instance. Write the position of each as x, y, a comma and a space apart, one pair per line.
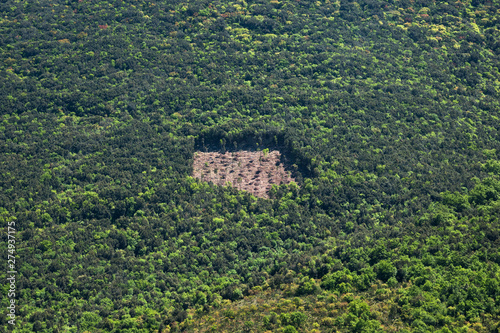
246, 170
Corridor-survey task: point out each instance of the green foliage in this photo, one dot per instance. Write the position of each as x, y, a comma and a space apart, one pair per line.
385, 270
290, 329
89, 321
385, 113
307, 287
295, 319
458, 201
493, 166
359, 318
340, 281
485, 191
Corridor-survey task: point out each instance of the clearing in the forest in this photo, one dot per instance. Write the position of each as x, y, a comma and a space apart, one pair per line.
250, 171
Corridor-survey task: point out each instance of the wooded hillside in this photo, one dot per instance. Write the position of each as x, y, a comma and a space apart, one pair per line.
387, 113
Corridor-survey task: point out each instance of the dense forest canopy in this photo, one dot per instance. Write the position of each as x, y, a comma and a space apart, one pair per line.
387, 111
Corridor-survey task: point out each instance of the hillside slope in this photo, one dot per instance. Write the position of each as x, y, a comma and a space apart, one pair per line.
387, 113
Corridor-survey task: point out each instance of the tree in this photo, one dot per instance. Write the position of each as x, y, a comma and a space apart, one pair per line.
385, 270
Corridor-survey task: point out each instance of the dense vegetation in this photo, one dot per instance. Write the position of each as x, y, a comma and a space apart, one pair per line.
388, 112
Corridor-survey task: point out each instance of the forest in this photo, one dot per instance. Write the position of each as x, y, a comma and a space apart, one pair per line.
386, 114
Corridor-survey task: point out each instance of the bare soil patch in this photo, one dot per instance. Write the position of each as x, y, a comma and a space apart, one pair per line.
254, 172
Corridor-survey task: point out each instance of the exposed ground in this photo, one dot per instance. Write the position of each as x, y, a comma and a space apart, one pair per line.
254, 172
